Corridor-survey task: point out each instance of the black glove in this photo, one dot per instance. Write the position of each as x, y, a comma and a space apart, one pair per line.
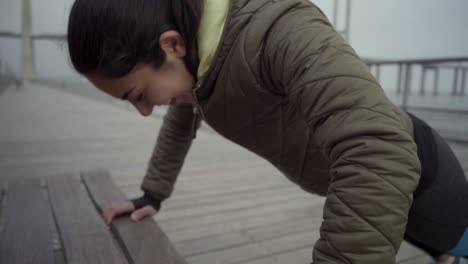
146, 200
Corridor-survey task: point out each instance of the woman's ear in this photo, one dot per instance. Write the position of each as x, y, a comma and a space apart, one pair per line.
172, 43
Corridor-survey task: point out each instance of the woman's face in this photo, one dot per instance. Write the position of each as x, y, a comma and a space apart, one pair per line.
146, 87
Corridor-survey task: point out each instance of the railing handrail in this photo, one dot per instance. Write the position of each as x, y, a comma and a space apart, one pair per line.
446, 66
415, 61
47, 36
4, 34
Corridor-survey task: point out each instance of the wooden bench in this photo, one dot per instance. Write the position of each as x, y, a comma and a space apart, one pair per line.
58, 220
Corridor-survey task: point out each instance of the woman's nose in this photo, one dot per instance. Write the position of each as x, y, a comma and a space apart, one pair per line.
144, 108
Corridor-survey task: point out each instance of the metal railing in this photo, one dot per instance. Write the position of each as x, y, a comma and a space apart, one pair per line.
344, 31
406, 70
52, 37
459, 78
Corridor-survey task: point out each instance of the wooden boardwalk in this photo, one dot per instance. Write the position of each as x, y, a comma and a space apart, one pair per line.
229, 206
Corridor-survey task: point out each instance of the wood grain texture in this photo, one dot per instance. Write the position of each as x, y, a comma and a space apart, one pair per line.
85, 237
144, 241
26, 224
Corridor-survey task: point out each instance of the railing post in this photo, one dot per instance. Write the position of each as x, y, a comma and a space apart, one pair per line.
335, 13
407, 87
455, 81
27, 60
423, 80
400, 77
348, 20
436, 81
462, 91
336, 9
1, 67
377, 72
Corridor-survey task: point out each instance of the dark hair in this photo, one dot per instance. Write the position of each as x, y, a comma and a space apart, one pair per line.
110, 37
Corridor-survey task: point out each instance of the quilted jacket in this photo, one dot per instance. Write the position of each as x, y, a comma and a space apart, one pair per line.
286, 86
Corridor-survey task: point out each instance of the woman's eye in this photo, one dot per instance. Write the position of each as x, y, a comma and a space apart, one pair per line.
139, 97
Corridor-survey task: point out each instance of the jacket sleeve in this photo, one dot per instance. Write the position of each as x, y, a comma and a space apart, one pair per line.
374, 165
174, 141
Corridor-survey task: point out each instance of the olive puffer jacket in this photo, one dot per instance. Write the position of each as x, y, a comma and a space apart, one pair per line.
286, 86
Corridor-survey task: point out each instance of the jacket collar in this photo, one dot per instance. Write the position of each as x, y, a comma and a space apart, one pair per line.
210, 33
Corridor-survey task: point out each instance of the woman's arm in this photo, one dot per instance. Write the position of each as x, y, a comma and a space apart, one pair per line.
374, 165
172, 145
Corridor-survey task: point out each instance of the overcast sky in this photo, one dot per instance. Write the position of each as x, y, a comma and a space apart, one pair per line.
379, 28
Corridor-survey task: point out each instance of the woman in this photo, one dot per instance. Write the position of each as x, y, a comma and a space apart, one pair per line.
276, 78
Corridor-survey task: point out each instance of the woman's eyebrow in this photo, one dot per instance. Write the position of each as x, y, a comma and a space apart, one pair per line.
125, 96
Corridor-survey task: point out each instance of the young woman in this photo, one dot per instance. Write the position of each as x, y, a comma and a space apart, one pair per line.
275, 77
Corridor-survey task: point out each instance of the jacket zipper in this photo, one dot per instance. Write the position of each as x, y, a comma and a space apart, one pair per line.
197, 110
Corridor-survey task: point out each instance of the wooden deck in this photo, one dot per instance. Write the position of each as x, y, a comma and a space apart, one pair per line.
229, 206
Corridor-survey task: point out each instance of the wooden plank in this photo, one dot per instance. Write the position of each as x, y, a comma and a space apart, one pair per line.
211, 243
59, 255
232, 216
310, 223
212, 178
408, 252
239, 224
424, 259
85, 237
2, 195
145, 241
303, 255
239, 204
26, 224
180, 200
251, 251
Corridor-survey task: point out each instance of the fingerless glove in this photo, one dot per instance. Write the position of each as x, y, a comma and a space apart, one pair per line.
146, 200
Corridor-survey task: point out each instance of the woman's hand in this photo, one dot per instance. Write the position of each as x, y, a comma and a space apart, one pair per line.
140, 208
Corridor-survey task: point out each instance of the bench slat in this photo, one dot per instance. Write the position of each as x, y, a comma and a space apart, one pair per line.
85, 237
2, 192
145, 241
24, 225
